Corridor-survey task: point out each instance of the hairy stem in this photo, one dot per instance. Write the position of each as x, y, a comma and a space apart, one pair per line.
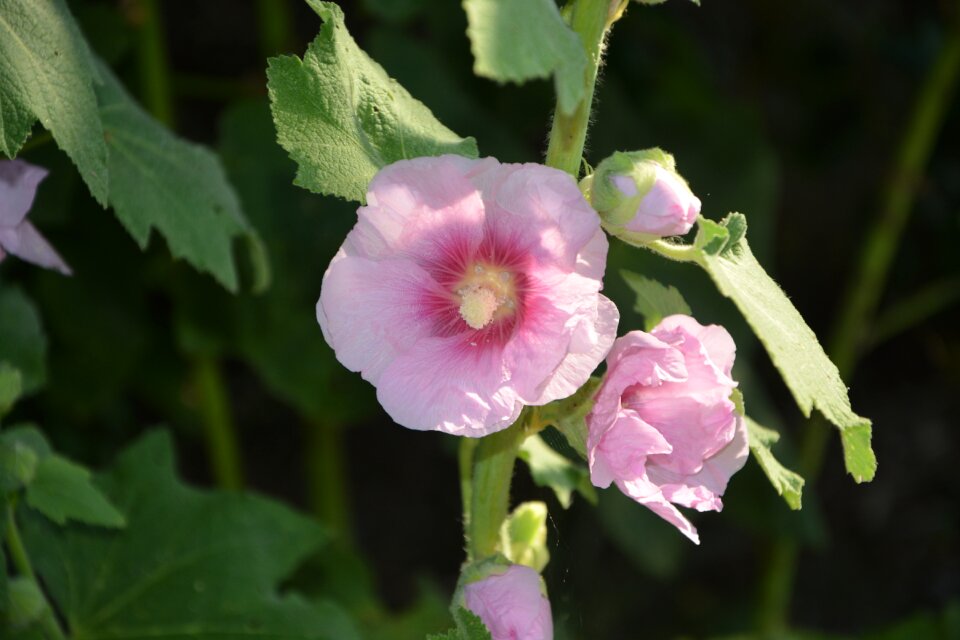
863, 295
590, 20
218, 423
493, 462
21, 561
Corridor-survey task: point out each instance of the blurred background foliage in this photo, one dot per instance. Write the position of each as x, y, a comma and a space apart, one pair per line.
792, 113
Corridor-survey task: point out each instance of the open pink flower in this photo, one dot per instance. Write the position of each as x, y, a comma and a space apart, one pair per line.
18, 186
663, 427
511, 605
468, 289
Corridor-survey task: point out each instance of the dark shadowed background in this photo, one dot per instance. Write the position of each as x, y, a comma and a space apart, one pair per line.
792, 113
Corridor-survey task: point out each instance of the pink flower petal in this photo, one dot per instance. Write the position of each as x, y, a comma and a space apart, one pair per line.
25, 242
18, 186
511, 605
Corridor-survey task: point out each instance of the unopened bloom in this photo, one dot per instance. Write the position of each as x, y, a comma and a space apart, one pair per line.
468, 289
18, 186
663, 427
512, 604
641, 197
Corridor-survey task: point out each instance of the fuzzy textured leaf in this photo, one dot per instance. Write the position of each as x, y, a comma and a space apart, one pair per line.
159, 181
550, 469
47, 73
654, 300
341, 117
810, 375
62, 490
786, 482
519, 40
23, 344
190, 564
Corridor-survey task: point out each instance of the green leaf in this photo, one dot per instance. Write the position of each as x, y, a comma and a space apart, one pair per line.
22, 342
11, 385
654, 300
26, 602
519, 40
159, 181
62, 490
569, 415
787, 483
47, 73
810, 375
341, 117
190, 564
471, 627
18, 464
523, 536
550, 469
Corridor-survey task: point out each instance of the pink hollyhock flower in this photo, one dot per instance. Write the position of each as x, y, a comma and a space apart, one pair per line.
468, 289
512, 605
663, 427
641, 197
18, 186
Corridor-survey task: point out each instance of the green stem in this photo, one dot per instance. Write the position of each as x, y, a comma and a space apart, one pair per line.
675, 251
493, 463
860, 303
327, 476
275, 26
21, 561
590, 20
218, 423
154, 65
468, 447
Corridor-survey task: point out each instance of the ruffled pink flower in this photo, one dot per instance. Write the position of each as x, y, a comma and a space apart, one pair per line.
468, 289
512, 605
18, 186
663, 427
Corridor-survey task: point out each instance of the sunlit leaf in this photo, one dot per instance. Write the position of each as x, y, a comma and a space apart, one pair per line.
654, 300
341, 117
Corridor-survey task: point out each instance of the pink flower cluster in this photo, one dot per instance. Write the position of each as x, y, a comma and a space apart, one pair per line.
663, 427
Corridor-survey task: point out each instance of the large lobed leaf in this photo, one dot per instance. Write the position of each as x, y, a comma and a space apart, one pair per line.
190, 564
341, 117
47, 73
519, 40
158, 180
810, 375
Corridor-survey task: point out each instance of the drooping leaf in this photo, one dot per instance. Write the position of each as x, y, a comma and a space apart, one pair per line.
787, 483
22, 342
569, 415
11, 385
62, 490
47, 73
810, 375
654, 300
550, 469
159, 181
341, 117
190, 564
519, 40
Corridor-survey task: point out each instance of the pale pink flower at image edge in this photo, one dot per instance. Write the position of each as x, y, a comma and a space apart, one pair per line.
663, 427
18, 187
511, 605
469, 289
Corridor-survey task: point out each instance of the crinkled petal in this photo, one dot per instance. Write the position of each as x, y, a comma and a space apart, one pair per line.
445, 385
716, 340
25, 242
417, 206
370, 311
657, 503
697, 430
18, 186
621, 452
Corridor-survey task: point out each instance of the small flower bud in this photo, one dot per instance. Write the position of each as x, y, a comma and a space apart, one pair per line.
640, 196
512, 604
